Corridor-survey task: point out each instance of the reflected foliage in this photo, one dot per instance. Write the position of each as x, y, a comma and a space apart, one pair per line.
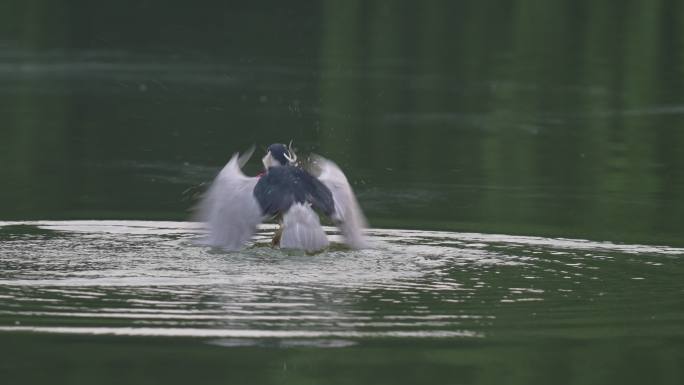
552, 118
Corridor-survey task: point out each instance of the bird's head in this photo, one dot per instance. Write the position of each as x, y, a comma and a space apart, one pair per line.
279, 154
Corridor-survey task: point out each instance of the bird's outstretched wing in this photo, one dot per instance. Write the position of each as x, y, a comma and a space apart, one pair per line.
348, 215
229, 209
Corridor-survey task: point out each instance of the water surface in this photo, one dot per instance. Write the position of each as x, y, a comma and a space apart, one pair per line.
463, 116
471, 302
555, 124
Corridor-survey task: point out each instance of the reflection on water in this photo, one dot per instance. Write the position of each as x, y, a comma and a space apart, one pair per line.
449, 115
134, 278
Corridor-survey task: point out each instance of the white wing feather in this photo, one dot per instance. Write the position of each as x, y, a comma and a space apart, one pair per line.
229, 209
348, 214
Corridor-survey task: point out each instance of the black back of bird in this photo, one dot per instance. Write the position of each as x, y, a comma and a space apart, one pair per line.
281, 187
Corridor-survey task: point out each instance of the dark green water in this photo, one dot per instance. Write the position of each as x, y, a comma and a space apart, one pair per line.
453, 120
137, 302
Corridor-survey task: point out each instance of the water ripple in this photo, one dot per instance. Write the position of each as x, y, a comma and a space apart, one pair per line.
138, 278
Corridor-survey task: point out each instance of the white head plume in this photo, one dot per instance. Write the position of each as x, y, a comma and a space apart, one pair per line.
290, 154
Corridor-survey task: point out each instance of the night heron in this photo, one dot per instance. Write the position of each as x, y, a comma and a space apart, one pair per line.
236, 204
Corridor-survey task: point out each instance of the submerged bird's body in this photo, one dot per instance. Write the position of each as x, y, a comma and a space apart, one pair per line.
235, 204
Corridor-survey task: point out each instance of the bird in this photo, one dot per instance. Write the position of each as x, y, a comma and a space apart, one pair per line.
235, 204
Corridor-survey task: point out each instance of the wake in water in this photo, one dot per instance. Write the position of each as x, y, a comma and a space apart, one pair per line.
149, 278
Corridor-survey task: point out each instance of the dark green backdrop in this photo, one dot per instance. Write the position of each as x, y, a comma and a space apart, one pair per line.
561, 118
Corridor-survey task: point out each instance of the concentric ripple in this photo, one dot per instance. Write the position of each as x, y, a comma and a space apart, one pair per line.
138, 278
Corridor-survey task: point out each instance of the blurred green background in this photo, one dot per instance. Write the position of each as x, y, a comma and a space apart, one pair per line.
561, 118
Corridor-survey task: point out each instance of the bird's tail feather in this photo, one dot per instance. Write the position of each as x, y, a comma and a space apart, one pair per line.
302, 229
